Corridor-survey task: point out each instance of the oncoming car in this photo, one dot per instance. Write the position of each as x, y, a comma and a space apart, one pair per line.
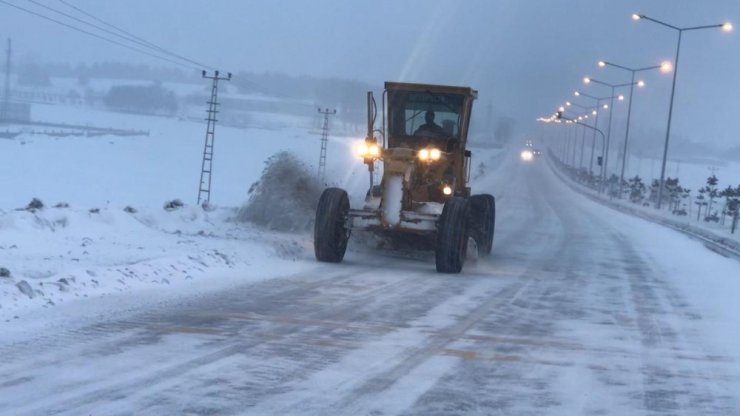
526, 155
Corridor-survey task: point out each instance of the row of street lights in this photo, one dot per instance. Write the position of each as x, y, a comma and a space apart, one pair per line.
727, 27
664, 67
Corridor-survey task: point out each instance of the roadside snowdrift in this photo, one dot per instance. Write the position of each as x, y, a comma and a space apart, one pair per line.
55, 255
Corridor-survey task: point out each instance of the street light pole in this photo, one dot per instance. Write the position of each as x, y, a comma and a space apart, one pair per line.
583, 143
596, 113
572, 134
724, 26
626, 135
575, 144
664, 67
583, 135
668, 128
558, 117
588, 80
593, 138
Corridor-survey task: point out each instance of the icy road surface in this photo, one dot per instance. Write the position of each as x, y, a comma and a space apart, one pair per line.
580, 310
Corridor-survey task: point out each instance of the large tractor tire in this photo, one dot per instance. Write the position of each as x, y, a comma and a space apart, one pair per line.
482, 222
452, 236
330, 233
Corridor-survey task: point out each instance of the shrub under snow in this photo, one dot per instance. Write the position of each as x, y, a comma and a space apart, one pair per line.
285, 197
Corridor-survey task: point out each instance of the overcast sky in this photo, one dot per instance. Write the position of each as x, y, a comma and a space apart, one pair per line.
525, 57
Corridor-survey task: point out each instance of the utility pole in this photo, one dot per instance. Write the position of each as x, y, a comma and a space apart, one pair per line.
4, 110
324, 140
204, 188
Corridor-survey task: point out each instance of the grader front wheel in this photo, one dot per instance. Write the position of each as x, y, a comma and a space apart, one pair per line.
330, 234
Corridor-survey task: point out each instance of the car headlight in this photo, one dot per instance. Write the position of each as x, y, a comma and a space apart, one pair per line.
526, 155
447, 190
424, 154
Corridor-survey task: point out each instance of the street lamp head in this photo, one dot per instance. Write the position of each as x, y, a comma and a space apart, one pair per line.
580, 117
666, 67
640, 83
568, 103
601, 64
577, 94
605, 106
636, 16
594, 112
620, 97
727, 27
561, 108
586, 80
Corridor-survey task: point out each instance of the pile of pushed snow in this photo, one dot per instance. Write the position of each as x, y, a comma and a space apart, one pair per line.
285, 196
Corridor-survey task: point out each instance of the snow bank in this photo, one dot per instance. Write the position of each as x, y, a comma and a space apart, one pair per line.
56, 255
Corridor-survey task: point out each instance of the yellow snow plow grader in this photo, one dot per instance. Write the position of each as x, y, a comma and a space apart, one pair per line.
424, 191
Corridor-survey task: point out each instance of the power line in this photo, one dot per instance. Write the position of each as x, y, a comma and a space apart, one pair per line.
72, 6
150, 44
97, 36
127, 35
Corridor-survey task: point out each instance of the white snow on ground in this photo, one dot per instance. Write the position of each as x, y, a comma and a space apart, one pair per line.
94, 248
692, 175
702, 285
718, 231
58, 255
148, 170
709, 281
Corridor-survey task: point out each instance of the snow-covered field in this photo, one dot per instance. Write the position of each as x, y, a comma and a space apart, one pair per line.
95, 248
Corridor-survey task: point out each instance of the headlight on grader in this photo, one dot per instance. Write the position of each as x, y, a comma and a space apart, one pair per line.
447, 190
430, 154
362, 149
434, 154
367, 150
374, 150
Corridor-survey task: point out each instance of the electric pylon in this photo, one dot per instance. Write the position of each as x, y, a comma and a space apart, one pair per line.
5, 107
206, 171
324, 140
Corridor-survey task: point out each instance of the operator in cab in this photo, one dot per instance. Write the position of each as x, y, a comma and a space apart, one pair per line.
430, 128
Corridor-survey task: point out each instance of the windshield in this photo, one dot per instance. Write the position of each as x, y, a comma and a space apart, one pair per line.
425, 114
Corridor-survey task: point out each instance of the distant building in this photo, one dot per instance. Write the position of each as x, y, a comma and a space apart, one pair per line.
15, 112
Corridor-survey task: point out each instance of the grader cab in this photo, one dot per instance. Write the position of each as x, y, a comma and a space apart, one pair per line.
424, 191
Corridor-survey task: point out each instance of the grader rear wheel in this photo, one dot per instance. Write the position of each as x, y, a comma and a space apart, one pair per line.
482, 222
452, 236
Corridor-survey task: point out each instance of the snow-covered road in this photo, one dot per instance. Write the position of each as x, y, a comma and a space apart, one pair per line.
580, 310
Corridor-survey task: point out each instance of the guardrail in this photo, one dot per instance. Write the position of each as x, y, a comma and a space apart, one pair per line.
717, 243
